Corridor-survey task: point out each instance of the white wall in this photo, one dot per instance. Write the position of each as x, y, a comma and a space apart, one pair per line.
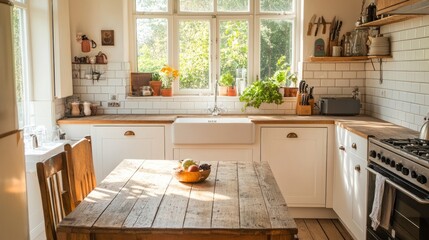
347, 11
90, 17
403, 97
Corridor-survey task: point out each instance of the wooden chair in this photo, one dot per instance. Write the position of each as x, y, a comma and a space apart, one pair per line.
55, 191
81, 169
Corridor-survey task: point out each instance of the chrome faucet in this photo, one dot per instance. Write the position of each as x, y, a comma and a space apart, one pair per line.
215, 111
34, 142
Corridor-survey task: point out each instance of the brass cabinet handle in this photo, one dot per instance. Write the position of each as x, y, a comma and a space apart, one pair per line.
129, 133
292, 135
342, 148
354, 146
357, 168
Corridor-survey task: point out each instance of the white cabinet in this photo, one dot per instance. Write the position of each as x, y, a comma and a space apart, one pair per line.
350, 181
297, 157
113, 143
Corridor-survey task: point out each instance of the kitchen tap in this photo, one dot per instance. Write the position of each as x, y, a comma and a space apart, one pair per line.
215, 111
34, 142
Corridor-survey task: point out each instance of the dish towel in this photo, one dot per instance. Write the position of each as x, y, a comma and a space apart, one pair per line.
378, 200
388, 204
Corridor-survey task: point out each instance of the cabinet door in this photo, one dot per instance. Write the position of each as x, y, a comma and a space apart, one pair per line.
343, 179
113, 144
342, 176
358, 209
297, 157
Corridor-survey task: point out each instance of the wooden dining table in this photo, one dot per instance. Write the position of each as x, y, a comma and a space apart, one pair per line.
142, 200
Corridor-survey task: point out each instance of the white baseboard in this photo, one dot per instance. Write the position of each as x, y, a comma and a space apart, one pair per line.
297, 212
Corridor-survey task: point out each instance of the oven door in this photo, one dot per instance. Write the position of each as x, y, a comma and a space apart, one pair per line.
410, 217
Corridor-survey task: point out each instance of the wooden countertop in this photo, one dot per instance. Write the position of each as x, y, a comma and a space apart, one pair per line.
361, 125
142, 198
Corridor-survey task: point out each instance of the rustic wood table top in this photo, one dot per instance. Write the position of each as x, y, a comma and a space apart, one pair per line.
141, 199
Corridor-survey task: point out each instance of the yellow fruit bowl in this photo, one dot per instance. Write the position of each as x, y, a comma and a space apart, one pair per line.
191, 177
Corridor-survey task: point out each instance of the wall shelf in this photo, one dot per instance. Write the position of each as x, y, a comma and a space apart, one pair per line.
387, 20
345, 59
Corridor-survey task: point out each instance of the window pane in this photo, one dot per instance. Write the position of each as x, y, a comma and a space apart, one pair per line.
18, 42
233, 48
276, 42
152, 5
152, 47
194, 54
276, 5
233, 5
196, 5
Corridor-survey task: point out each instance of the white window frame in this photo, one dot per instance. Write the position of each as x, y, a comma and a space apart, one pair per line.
28, 112
254, 16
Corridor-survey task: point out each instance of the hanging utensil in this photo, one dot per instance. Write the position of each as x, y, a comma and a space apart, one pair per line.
310, 24
319, 21
324, 25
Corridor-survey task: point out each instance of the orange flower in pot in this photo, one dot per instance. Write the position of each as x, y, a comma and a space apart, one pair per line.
168, 75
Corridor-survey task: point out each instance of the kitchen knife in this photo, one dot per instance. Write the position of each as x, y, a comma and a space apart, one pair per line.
319, 21
337, 31
333, 31
331, 27
324, 25
310, 24
311, 93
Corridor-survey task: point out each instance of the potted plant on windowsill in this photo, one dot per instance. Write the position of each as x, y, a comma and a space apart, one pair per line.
291, 81
227, 86
155, 83
263, 91
168, 75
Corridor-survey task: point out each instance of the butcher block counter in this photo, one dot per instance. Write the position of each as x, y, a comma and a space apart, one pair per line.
140, 199
361, 125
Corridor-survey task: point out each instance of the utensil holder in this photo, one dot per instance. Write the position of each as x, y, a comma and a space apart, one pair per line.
303, 110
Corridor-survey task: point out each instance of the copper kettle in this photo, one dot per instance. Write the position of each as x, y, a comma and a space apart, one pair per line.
101, 58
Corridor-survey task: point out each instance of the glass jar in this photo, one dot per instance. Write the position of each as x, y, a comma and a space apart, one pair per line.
347, 45
359, 39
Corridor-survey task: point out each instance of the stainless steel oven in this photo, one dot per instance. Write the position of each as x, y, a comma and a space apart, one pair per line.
407, 172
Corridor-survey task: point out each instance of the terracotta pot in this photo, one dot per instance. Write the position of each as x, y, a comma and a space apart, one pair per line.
232, 91
156, 86
223, 91
166, 92
290, 92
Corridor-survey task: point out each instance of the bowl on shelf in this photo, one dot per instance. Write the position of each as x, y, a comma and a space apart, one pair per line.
191, 177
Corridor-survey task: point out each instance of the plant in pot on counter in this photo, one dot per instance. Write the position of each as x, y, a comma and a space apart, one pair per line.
261, 91
155, 83
168, 75
227, 85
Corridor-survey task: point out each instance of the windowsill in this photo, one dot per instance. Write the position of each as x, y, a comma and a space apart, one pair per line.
223, 98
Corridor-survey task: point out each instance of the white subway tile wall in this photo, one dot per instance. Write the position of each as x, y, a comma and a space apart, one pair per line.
403, 96
113, 86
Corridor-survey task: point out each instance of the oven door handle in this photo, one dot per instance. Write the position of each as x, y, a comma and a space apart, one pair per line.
419, 200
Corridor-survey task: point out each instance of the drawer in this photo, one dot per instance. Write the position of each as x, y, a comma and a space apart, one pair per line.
352, 143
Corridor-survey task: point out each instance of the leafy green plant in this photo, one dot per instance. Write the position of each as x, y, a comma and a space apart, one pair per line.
226, 80
264, 91
156, 77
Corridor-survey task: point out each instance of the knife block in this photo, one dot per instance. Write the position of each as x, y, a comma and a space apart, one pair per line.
303, 110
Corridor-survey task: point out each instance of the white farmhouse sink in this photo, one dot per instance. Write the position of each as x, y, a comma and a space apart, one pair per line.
213, 131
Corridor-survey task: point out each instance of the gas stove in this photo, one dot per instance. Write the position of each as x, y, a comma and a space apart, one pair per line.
407, 159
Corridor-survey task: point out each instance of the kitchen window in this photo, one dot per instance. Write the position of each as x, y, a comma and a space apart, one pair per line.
206, 39
20, 44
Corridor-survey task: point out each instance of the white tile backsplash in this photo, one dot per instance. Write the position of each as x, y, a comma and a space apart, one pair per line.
402, 98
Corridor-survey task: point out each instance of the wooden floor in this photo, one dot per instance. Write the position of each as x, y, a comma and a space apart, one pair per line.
315, 229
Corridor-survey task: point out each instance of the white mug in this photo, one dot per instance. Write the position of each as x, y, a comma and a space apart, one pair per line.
336, 51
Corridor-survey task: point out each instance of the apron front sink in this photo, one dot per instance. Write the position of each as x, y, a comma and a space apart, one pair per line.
213, 131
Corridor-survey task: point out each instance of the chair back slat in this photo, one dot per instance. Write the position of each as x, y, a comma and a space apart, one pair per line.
55, 192
81, 169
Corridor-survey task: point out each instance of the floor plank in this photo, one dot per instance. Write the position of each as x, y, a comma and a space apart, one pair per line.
321, 229
346, 235
316, 230
303, 232
330, 229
